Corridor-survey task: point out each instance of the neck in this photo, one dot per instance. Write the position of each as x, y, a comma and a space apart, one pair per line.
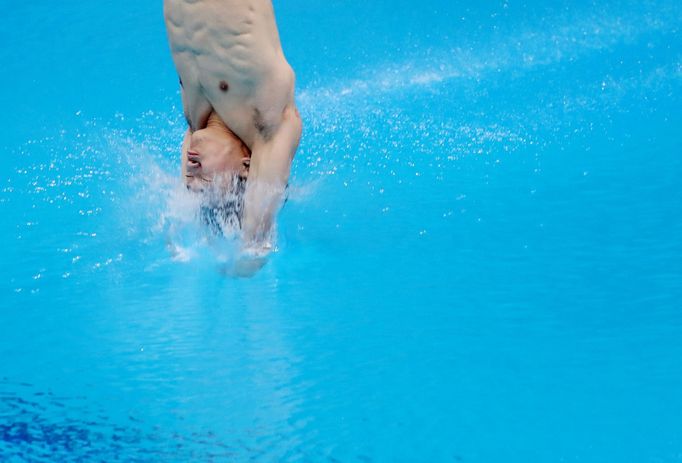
214, 121
217, 124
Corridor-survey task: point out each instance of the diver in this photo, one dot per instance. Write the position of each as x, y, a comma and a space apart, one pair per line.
238, 99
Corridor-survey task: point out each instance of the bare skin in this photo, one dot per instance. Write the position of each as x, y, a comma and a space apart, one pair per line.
212, 155
230, 61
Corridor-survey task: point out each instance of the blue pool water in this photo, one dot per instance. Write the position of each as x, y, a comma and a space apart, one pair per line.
480, 259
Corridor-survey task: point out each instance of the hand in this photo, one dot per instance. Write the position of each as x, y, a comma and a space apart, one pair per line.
248, 263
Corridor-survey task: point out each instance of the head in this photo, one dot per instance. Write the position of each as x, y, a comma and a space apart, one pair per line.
214, 156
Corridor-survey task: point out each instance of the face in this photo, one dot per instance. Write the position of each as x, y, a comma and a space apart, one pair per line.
214, 155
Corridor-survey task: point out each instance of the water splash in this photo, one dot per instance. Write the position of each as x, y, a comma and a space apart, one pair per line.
399, 123
555, 41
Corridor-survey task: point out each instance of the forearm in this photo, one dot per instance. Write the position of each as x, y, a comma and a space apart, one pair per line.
262, 201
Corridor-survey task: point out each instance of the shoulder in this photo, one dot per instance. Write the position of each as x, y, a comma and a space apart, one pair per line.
273, 98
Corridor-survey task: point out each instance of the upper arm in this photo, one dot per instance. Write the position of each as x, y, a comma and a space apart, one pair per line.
278, 128
268, 176
274, 152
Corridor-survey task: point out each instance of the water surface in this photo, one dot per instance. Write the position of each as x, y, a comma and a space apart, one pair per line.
480, 259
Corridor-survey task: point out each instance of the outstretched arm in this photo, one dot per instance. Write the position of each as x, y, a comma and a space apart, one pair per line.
268, 176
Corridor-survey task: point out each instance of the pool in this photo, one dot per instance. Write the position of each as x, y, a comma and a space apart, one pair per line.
480, 259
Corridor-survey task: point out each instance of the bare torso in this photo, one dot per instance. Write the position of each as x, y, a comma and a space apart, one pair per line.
229, 58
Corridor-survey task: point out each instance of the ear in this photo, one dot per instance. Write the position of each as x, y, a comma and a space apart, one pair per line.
246, 152
244, 171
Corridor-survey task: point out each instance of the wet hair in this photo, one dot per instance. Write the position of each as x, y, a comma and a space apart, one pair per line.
222, 211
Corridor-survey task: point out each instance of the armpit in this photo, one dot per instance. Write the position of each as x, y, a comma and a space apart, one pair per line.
264, 129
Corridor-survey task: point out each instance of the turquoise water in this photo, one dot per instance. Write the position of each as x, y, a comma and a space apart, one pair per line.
480, 259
